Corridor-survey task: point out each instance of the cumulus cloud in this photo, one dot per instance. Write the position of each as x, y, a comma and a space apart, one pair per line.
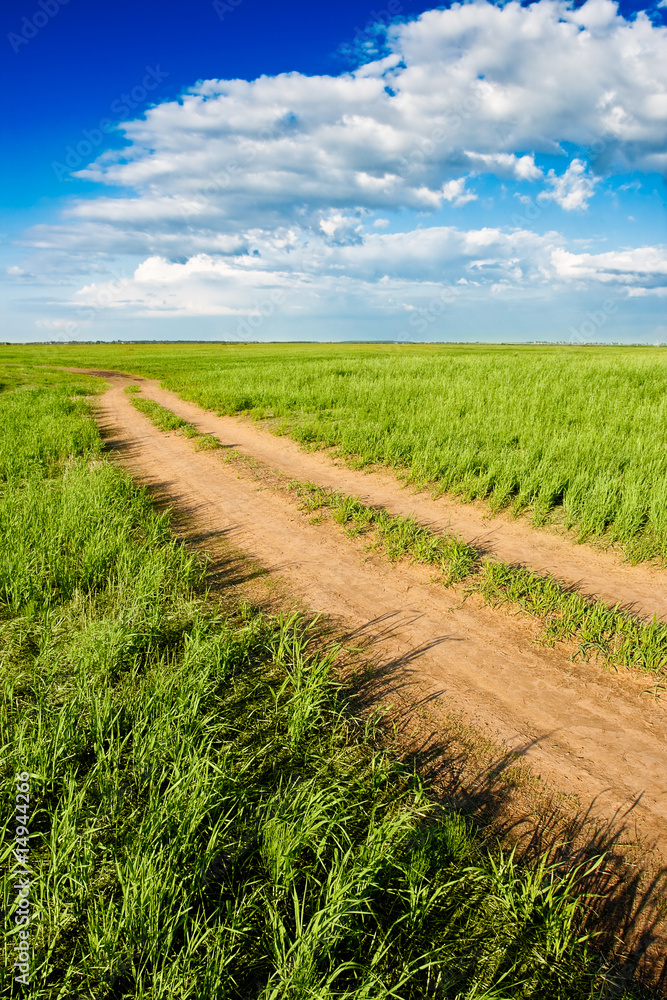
478, 88
455, 192
507, 165
201, 286
241, 190
385, 271
642, 267
571, 190
445, 253
342, 229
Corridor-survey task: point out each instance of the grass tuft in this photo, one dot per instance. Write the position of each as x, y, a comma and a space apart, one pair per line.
160, 416
611, 634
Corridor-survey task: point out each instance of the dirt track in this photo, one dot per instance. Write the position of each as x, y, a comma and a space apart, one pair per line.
641, 588
588, 732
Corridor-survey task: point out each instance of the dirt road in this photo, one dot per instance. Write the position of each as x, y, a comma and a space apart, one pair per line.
594, 572
587, 731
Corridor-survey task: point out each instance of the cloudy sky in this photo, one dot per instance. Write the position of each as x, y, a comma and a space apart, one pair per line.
253, 170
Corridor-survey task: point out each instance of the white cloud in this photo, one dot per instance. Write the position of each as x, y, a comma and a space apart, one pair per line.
342, 229
455, 192
242, 190
520, 168
479, 88
444, 253
645, 267
202, 286
573, 189
384, 272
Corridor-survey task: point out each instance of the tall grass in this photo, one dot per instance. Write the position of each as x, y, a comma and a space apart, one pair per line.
207, 818
575, 434
41, 429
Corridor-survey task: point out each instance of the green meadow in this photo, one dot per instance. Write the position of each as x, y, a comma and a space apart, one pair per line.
207, 816
574, 435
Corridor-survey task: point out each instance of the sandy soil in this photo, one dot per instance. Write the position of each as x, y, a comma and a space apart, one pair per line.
592, 733
591, 570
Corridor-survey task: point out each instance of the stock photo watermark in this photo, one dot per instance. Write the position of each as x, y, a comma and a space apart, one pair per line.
423, 316
427, 147
22, 883
594, 322
31, 26
261, 311
121, 107
532, 211
224, 7
221, 181
378, 19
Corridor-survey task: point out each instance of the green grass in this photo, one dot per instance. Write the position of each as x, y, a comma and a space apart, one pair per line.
574, 435
168, 421
394, 535
610, 634
207, 817
159, 415
41, 429
616, 637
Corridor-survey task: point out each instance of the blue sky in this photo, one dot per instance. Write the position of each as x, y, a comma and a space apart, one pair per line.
241, 169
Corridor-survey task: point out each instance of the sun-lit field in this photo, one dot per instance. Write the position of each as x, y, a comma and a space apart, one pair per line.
207, 817
576, 435
333, 501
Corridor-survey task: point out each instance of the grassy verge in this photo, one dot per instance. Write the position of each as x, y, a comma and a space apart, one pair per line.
206, 819
608, 633
396, 536
168, 421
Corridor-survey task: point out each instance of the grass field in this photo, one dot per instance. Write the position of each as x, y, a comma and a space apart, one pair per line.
206, 817
576, 435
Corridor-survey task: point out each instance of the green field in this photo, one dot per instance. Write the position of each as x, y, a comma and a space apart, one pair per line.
572, 435
207, 818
